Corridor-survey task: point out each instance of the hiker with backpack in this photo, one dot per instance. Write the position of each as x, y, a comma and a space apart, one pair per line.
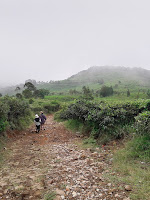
37, 122
43, 119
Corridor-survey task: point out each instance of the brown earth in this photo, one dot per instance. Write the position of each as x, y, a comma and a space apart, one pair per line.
51, 161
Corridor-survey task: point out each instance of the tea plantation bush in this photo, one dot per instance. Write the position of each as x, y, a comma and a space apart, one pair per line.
14, 113
50, 107
45, 105
104, 119
142, 123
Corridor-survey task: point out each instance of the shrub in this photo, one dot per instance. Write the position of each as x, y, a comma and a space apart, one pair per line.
31, 101
4, 109
142, 124
52, 106
105, 119
106, 91
12, 110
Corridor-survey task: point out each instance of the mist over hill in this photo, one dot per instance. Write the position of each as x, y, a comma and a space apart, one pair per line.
94, 77
113, 74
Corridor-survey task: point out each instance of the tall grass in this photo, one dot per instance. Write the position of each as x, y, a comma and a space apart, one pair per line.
3, 141
133, 164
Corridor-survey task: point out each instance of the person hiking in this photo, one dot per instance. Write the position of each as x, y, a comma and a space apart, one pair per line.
37, 122
43, 119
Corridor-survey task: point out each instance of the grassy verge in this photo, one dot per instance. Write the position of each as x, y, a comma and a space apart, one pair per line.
78, 127
133, 166
3, 141
74, 125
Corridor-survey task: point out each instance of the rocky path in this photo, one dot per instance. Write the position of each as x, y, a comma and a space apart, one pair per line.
48, 163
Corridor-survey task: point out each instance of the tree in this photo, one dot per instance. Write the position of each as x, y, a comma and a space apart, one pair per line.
73, 91
128, 93
19, 96
41, 93
17, 88
31, 81
27, 93
106, 91
30, 86
100, 81
1, 95
87, 93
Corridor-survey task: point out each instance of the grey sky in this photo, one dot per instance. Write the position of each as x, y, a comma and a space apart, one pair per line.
54, 39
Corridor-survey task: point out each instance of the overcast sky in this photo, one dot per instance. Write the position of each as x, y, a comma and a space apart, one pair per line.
54, 39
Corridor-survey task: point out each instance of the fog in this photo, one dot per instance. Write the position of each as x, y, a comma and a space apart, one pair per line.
54, 39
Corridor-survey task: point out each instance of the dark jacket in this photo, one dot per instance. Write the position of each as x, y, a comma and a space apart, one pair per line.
43, 118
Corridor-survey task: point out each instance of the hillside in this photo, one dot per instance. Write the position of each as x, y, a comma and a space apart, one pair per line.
94, 77
113, 75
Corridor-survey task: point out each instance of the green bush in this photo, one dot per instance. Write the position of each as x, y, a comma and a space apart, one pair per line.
37, 109
137, 148
142, 124
3, 125
4, 109
140, 147
52, 106
31, 101
74, 125
106, 119
12, 112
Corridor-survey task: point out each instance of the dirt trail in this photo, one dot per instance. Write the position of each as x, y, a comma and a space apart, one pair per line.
51, 161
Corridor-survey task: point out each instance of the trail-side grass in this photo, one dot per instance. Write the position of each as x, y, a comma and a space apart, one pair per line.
3, 152
133, 167
74, 125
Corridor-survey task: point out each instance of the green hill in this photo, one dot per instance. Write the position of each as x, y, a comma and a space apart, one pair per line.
94, 77
120, 78
113, 75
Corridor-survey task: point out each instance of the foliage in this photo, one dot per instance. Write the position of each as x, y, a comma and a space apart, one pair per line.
132, 165
139, 147
27, 93
4, 109
17, 88
148, 93
15, 113
3, 141
74, 125
87, 93
3, 125
106, 91
61, 98
52, 106
19, 96
30, 86
128, 93
40, 93
31, 101
71, 91
142, 123
105, 119
32, 91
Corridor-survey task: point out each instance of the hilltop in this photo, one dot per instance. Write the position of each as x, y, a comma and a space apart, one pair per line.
111, 75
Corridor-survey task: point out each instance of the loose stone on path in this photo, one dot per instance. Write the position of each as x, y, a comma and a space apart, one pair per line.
51, 162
